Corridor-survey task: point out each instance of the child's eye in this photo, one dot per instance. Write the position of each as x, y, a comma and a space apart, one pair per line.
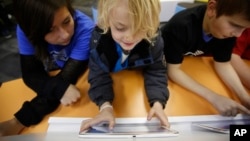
66, 21
120, 29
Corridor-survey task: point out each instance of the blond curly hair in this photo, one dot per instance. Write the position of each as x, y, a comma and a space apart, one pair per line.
143, 13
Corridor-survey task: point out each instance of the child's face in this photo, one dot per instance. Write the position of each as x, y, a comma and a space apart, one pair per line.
120, 26
62, 28
227, 26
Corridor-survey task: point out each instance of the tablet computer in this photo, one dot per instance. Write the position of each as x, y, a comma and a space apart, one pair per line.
220, 126
128, 131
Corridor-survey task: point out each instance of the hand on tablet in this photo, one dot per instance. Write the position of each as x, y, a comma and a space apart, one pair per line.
157, 110
106, 115
228, 107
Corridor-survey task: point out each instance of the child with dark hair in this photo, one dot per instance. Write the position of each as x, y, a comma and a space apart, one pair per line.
51, 36
209, 29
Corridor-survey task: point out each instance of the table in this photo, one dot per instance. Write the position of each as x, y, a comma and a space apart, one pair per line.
130, 99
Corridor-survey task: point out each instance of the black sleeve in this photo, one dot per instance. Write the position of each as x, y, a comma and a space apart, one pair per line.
72, 70
100, 81
35, 77
222, 49
155, 76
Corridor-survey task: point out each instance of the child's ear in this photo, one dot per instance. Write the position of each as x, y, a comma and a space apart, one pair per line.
211, 8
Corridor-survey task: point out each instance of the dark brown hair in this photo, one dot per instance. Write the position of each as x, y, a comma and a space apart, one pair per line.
35, 17
231, 7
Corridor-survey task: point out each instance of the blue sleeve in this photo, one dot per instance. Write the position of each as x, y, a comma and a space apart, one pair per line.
84, 27
24, 45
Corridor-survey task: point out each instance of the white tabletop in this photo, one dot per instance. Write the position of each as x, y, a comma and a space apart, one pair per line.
66, 129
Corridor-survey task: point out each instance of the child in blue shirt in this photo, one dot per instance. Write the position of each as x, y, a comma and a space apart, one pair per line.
51, 36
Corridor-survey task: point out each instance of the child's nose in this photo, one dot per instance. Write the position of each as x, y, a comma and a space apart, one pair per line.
238, 32
63, 33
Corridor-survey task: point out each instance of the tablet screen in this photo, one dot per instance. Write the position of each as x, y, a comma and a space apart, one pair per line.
129, 130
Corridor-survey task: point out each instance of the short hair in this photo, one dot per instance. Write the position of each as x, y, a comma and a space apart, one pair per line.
231, 7
35, 17
144, 15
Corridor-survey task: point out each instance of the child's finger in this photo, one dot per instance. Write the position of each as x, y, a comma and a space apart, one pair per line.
150, 114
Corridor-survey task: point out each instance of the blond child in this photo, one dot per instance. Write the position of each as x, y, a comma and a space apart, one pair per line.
127, 37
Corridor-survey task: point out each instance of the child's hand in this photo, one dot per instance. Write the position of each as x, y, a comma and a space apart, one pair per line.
105, 115
71, 95
157, 110
246, 101
228, 107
